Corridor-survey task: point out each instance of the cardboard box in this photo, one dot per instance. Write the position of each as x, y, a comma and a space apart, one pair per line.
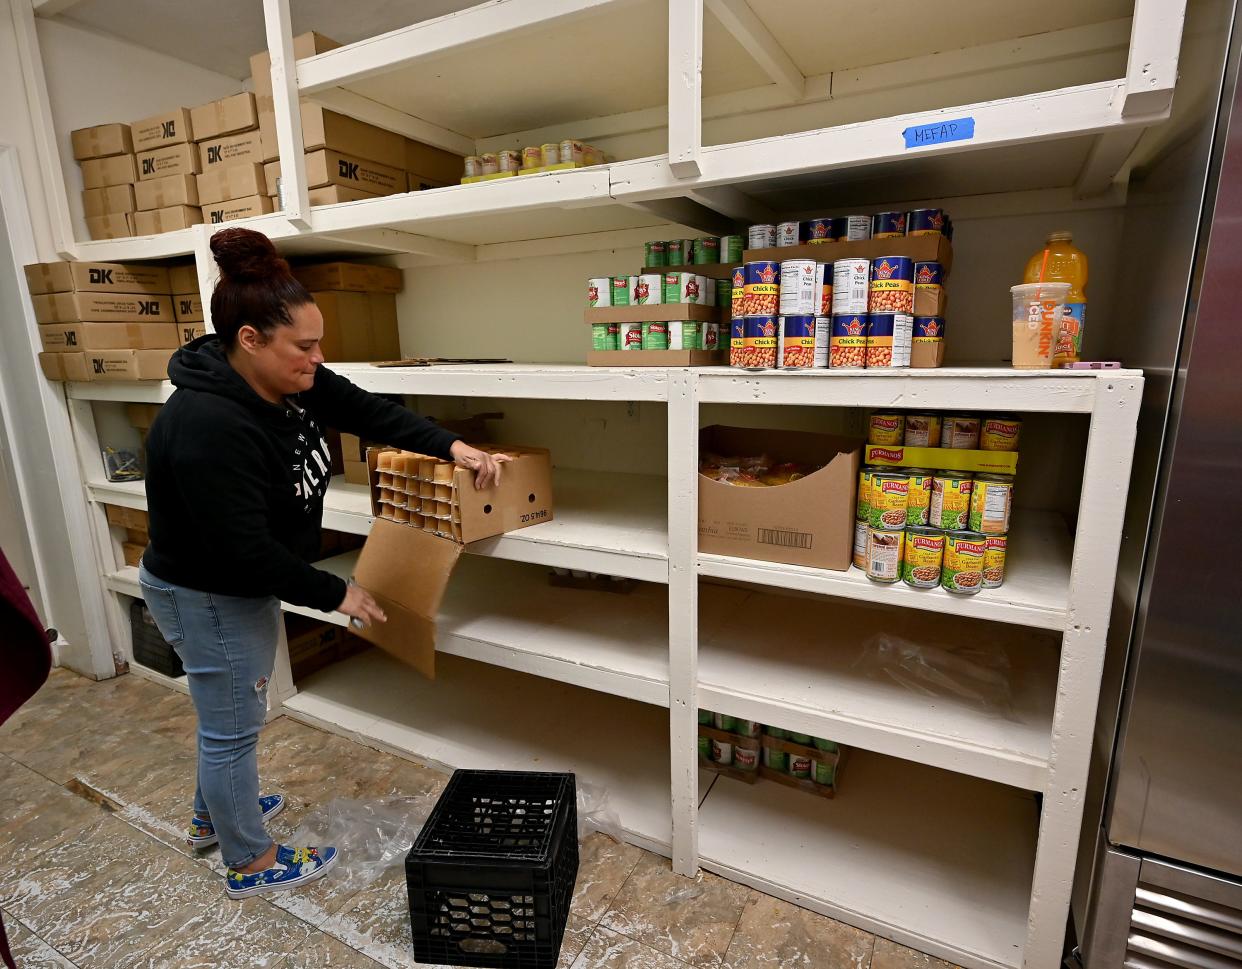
132, 553
114, 170
189, 332
231, 182
806, 522
137, 536
332, 194
666, 312
322, 128
62, 337
227, 116
165, 192
142, 416
167, 220
122, 307
127, 518
942, 459
354, 277
658, 358
113, 200
188, 308
116, 226
243, 149
128, 364
96, 277
304, 45
415, 182
101, 140
358, 326
67, 365
926, 353
267, 133
355, 471
173, 160
435, 164
162, 130
183, 279
245, 208
385, 329
328, 167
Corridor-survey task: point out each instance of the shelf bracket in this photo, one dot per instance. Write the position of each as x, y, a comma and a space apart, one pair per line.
683, 211
732, 204
748, 30
685, 86
294, 198
1151, 71
1107, 162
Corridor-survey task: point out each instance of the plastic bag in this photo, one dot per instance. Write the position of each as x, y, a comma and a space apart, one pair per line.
975, 674
594, 814
370, 835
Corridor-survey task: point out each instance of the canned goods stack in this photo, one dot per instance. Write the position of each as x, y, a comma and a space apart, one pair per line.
852, 228
551, 157
930, 527
653, 289
750, 750
703, 251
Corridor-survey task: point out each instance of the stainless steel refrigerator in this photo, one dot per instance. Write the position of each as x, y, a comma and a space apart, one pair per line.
1165, 885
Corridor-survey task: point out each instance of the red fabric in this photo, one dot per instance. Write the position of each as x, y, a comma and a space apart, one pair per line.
25, 661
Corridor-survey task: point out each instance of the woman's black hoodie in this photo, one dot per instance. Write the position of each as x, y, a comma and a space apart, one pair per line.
235, 484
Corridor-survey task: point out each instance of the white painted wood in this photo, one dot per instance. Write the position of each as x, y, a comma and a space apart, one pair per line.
391, 240
52, 8
294, 197
1155, 41
478, 716
683, 616
129, 391
488, 21
1106, 477
1108, 163
685, 86
373, 112
754, 36
1035, 593
208, 273
733, 204
933, 860
515, 380
687, 212
40, 108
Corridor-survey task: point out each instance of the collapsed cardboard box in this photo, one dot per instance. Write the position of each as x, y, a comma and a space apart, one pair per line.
358, 326
101, 141
127, 518
809, 521
354, 459
96, 277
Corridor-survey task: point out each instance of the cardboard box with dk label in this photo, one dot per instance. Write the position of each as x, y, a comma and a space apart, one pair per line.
96, 277
102, 307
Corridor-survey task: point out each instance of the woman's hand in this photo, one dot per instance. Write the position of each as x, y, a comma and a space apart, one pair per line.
486, 467
360, 607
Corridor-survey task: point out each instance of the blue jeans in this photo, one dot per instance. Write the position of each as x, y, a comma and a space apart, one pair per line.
228, 647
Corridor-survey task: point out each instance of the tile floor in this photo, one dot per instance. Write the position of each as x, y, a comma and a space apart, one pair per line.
95, 779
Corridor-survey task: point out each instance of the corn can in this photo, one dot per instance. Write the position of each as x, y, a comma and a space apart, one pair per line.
737, 292
950, 501
599, 291
922, 557
991, 499
918, 499
960, 431
706, 250
655, 254
799, 766
886, 429
722, 752
922, 430
655, 336
776, 760
604, 336
888, 225
746, 758
862, 510
862, 530
621, 291
731, 248
994, 561
705, 748
884, 550
1000, 433
823, 772
962, 571
886, 507
630, 336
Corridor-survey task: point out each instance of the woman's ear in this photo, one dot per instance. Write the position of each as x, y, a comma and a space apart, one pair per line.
250, 339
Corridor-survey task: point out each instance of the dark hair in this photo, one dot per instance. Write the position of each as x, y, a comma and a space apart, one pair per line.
255, 287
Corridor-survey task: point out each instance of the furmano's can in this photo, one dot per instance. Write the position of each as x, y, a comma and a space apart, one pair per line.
761, 296
950, 501
787, 234
599, 291
473, 166
551, 152
797, 342
847, 346
655, 336
922, 430
851, 285
886, 505
706, 250
731, 248
655, 254
1000, 433
922, 557
532, 157
761, 237
604, 336
889, 339
509, 160
960, 431
918, 500
886, 429
963, 562
798, 296
990, 501
862, 508
630, 336
888, 225
648, 290
489, 163
884, 549
892, 285
994, 561
925, 222
862, 531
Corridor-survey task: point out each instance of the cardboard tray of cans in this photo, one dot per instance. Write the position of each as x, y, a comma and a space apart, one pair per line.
434, 495
656, 313
924, 248
712, 270
775, 743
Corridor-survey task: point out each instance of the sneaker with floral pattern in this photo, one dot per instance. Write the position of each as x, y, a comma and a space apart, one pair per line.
202, 833
293, 867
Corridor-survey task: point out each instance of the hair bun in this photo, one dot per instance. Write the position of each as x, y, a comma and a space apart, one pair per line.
245, 255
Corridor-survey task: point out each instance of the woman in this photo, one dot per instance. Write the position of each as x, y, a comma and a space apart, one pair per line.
237, 468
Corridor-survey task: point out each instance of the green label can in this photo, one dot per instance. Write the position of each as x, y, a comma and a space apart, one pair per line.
918, 500
994, 561
630, 336
922, 557
990, 502
746, 758
620, 291
705, 748
599, 291
862, 510
680, 252
706, 717
722, 752
776, 732
655, 336
964, 554
731, 248
749, 728
823, 772
950, 501
655, 254
799, 766
776, 759
827, 746
706, 250
683, 335
726, 722
886, 505
798, 738
604, 336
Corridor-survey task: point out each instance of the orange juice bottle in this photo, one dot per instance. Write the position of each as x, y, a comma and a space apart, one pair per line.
1060, 261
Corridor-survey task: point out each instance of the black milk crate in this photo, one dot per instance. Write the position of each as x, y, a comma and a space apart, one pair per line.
150, 649
492, 873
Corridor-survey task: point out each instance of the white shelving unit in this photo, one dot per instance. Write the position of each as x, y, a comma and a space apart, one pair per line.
936, 839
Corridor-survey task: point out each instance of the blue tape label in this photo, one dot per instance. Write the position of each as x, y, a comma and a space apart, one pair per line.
923, 135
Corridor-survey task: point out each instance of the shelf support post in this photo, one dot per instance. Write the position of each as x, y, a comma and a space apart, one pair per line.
1101, 513
1155, 42
207, 270
685, 86
683, 616
293, 194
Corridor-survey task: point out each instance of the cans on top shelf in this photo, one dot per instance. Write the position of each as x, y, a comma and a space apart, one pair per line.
851, 228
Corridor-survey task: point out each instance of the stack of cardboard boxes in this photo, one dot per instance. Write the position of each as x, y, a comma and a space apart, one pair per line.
134, 521
106, 155
167, 163
103, 321
187, 302
359, 308
230, 151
